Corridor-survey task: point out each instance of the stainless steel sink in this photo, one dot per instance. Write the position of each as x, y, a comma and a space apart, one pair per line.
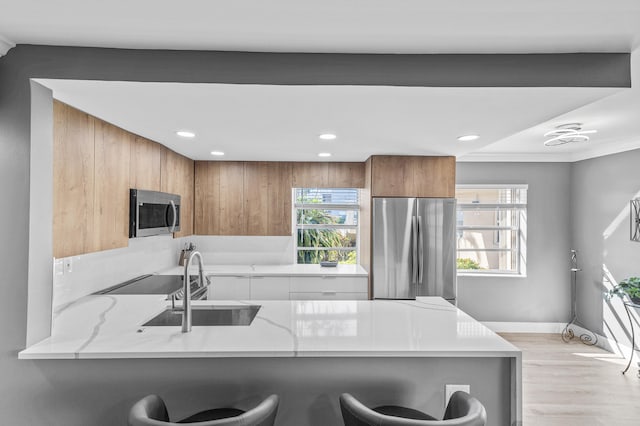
207, 315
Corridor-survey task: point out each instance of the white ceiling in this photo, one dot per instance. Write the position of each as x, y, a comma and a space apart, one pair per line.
275, 122
375, 26
616, 118
262, 122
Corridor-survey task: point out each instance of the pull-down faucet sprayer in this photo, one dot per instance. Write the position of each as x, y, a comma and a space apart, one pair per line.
186, 301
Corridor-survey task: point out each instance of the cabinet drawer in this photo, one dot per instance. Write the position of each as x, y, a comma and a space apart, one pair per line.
270, 288
329, 283
229, 288
328, 295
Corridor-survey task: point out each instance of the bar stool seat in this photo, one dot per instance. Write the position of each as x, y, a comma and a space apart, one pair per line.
152, 411
462, 410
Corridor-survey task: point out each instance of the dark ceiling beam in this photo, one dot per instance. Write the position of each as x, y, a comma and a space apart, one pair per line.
437, 70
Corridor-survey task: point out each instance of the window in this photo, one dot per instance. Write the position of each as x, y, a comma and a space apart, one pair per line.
491, 229
326, 224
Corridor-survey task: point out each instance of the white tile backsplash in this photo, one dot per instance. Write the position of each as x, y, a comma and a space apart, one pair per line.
235, 250
96, 271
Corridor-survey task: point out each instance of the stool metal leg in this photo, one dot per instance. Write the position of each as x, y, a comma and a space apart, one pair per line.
633, 338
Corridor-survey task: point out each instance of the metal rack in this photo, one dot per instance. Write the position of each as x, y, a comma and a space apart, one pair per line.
567, 334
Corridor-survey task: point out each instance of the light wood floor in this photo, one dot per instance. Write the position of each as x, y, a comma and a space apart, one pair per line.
574, 384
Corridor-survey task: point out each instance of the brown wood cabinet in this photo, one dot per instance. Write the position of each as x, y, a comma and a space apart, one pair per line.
409, 176
219, 198
94, 165
177, 177
231, 206
267, 198
279, 206
328, 175
111, 193
346, 175
73, 181
256, 198
207, 198
145, 164
242, 198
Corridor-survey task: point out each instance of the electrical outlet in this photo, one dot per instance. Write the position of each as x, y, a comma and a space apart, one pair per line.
68, 265
451, 389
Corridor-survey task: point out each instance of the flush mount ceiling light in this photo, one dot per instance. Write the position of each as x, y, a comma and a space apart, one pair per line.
324, 154
327, 136
217, 153
468, 138
567, 133
185, 134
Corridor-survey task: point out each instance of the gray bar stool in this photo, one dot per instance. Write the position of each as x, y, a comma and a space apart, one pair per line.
152, 411
462, 410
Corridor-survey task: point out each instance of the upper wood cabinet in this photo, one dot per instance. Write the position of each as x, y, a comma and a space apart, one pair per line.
111, 194
146, 156
231, 210
242, 198
219, 198
73, 181
177, 177
267, 195
207, 198
94, 165
279, 206
256, 198
346, 175
409, 176
328, 175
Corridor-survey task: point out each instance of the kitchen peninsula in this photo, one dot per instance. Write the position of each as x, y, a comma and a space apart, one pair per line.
307, 351
313, 341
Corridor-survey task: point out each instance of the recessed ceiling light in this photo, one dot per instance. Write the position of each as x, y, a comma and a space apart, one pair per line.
468, 138
217, 153
324, 154
327, 136
185, 134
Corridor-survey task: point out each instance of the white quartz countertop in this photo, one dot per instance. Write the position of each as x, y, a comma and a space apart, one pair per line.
110, 326
274, 270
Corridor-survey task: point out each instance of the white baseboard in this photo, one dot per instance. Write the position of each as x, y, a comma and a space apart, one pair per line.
524, 327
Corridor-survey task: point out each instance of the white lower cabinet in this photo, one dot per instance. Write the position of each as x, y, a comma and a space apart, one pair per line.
230, 288
328, 295
270, 288
329, 287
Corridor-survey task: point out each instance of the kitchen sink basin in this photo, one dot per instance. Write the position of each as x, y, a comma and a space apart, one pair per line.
207, 315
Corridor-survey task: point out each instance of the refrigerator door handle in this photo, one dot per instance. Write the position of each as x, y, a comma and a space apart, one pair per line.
414, 247
420, 251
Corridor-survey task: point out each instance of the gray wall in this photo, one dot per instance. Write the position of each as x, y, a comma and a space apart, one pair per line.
601, 191
544, 294
40, 209
67, 393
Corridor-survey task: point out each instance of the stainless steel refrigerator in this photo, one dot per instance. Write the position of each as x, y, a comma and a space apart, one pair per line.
414, 248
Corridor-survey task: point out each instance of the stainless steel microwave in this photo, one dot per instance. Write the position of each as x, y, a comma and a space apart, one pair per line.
153, 213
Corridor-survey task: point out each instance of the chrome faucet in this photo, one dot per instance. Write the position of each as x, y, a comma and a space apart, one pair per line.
186, 301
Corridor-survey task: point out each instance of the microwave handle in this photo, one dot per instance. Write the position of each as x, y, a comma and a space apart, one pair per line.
175, 216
